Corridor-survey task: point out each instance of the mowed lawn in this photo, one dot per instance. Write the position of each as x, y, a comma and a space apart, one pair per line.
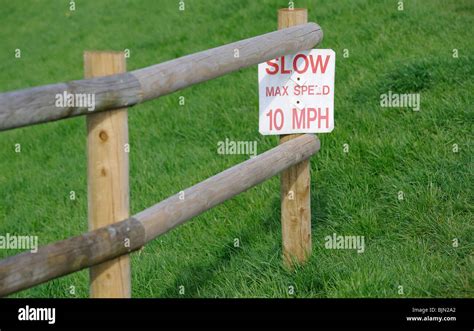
410, 243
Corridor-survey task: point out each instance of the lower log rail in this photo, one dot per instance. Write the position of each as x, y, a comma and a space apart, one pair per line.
28, 269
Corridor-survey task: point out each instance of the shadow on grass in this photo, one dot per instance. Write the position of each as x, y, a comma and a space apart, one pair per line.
195, 276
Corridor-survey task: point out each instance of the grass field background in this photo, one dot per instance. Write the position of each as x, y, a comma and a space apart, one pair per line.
408, 242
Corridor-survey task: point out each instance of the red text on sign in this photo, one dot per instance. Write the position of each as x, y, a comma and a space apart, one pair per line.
276, 119
311, 90
305, 62
303, 118
309, 115
276, 91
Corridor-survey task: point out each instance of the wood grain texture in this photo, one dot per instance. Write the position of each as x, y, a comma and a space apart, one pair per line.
28, 269
295, 182
37, 105
107, 177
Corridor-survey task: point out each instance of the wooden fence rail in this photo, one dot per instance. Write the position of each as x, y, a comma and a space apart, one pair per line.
38, 104
28, 269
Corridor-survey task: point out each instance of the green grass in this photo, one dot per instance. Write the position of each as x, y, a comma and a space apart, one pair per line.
408, 242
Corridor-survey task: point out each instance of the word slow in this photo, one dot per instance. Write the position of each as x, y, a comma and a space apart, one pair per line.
397, 100
300, 64
37, 314
9, 241
345, 242
76, 100
237, 147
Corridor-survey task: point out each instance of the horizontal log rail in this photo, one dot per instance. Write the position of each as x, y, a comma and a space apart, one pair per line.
25, 270
38, 105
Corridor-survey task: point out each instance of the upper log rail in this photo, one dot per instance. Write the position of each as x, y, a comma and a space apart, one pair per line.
28, 269
37, 105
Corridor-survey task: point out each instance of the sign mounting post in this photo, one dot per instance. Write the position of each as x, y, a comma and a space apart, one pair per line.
296, 95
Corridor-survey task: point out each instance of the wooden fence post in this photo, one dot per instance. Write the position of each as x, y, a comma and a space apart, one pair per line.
295, 182
107, 177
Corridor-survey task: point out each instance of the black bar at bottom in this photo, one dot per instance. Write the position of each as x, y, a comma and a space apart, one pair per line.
223, 314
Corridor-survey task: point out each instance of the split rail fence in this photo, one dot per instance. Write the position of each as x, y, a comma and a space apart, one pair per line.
103, 248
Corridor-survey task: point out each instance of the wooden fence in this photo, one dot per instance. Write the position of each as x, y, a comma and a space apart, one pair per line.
112, 92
